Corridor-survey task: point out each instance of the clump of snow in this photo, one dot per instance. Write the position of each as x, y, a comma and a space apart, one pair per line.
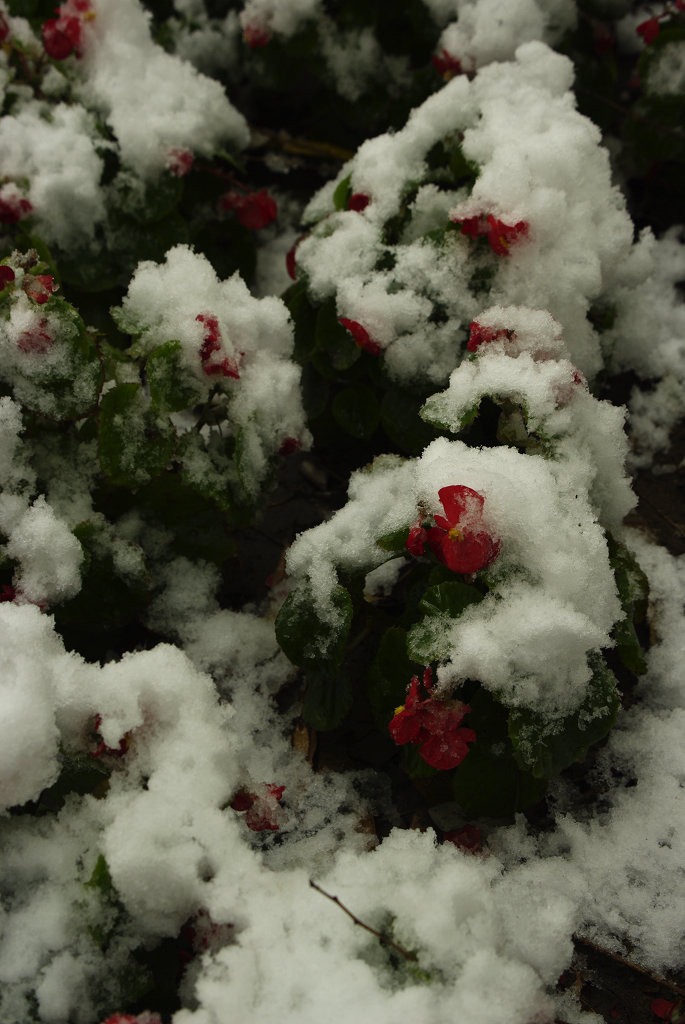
274, 16
486, 31
54, 147
666, 74
49, 556
153, 102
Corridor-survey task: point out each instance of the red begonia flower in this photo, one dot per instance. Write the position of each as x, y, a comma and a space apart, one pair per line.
434, 725
179, 162
289, 446
102, 750
467, 838
499, 234
479, 334
35, 340
446, 65
649, 30
261, 808
663, 1008
417, 538
226, 367
254, 210
13, 208
7, 275
459, 538
358, 201
361, 336
4, 28
256, 35
39, 287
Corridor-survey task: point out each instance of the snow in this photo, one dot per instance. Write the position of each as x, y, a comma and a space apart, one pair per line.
487, 935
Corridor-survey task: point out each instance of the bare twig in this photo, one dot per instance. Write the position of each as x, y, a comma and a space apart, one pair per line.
629, 963
386, 940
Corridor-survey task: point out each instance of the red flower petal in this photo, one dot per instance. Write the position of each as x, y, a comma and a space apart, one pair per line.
468, 838
256, 35
471, 553
501, 235
361, 336
446, 65
358, 201
7, 275
649, 30
479, 334
4, 28
663, 1008
36, 340
447, 750
39, 287
458, 500
57, 43
416, 539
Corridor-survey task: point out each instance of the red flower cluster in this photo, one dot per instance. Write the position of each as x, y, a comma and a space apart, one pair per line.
435, 725
361, 336
358, 201
262, 808
13, 208
254, 210
459, 538
64, 34
179, 162
479, 334
212, 344
500, 235
446, 65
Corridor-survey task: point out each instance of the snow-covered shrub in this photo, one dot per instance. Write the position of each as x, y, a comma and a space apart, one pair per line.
496, 192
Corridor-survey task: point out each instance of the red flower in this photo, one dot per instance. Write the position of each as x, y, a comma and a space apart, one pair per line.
649, 30
459, 538
289, 446
226, 367
36, 340
262, 808
446, 65
417, 538
479, 334
7, 275
361, 336
102, 750
254, 210
39, 287
128, 1018
13, 208
434, 725
499, 235
256, 35
467, 838
62, 35
179, 162
663, 1008
358, 201
4, 28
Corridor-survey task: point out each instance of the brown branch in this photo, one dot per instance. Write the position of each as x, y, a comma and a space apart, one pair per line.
386, 940
657, 979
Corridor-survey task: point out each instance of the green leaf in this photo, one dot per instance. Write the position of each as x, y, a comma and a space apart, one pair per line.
429, 639
134, 445
489, 782
628, 647
198, 527
631, 581
309, 639
327, 699
356, 411
304, 316
171, 386
389, 676
333, 340
402, 421
546, 747
100, 879
395, 541
342, 193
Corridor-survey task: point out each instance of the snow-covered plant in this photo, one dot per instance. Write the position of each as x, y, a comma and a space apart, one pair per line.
495, 192
493, 564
